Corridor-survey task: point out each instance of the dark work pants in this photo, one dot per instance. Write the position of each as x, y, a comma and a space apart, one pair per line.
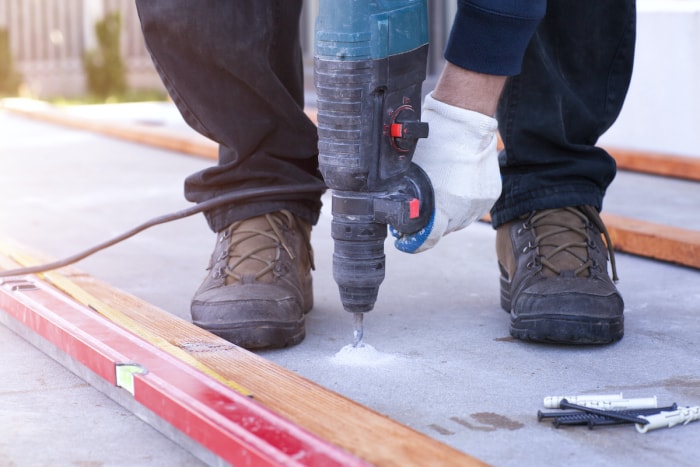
234, 70
574, 78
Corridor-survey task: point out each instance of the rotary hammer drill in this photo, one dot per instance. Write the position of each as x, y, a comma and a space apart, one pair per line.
369, 64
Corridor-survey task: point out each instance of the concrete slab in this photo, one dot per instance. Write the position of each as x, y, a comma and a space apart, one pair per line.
655, 199
445, 364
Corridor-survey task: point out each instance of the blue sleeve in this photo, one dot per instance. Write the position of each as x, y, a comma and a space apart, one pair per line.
490, 36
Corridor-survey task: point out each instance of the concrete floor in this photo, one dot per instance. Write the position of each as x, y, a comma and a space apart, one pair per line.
446, 364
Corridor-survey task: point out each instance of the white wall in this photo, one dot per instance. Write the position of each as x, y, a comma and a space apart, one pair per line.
662, 110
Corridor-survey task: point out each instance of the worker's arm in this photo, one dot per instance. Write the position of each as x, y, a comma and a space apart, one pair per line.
459, 156
486, 45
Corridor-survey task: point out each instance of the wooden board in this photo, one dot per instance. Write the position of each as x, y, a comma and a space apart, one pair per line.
662, 242
357, 429
666, 165
164, 138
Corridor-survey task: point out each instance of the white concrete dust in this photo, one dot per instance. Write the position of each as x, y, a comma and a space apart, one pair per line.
363, 355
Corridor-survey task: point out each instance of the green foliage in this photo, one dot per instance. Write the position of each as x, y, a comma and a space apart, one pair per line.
9, 77
104, 67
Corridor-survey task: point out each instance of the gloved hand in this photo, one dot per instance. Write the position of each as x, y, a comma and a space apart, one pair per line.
461, 159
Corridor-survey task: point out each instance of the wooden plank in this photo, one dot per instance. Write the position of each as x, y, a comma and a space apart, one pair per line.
666, 165
163, 138
662, 242
328, 415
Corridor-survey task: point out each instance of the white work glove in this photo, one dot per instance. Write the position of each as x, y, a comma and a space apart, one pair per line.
460, 158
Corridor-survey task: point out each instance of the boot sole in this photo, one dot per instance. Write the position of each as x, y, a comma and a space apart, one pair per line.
556, 329
259, 335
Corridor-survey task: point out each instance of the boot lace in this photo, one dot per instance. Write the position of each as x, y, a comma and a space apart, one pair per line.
552, 251
239, 232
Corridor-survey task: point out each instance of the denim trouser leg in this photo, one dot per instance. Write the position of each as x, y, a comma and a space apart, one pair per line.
234, 70
574, 79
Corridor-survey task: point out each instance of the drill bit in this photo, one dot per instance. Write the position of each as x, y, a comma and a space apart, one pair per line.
359, 330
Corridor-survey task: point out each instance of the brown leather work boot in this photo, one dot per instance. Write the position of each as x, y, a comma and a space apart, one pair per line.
259, 283
554, 279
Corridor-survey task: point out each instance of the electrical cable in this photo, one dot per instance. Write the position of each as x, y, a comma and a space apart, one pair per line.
187, 212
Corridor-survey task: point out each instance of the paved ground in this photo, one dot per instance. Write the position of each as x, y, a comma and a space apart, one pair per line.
446, 364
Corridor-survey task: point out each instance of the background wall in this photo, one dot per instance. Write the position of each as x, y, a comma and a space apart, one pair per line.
662, 110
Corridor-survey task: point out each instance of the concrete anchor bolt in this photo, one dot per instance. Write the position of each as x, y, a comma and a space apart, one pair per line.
669, 419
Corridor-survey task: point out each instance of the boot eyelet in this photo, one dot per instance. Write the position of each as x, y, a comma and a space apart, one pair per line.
218, 274
529, 247
222, 257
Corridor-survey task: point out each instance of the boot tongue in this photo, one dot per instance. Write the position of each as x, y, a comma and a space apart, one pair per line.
253, 251
563, 242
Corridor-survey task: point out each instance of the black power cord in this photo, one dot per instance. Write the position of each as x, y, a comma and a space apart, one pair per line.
217, 202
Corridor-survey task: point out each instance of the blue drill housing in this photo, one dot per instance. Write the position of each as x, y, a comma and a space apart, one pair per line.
362, 29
